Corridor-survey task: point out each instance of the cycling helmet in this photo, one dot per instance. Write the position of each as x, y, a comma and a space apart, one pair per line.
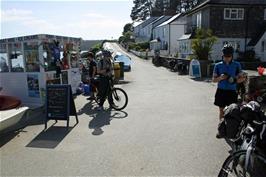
228, 50
106, 53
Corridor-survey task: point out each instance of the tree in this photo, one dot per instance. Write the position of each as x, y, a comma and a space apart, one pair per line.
141, 9
189, 4
202, 44
128, 27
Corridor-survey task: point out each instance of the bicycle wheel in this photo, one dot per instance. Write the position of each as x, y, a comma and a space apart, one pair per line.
119, 99
234, 165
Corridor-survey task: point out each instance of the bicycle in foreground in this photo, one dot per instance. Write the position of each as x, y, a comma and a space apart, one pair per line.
249, 160
117, 97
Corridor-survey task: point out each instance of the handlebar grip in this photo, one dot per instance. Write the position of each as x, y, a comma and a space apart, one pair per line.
259, 123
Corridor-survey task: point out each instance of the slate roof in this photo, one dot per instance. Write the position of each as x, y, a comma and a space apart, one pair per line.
170, 20
256, 39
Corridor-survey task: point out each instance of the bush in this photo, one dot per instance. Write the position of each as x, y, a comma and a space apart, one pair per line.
202, 44
139, 46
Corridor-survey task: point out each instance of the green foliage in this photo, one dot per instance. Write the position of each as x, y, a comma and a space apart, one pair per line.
96, 48
128, 27
139, 46
202, 44
128, 37
141, 9
176, 55
121, 39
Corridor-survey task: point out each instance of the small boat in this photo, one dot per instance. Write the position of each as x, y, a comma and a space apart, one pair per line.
11, 111
8, 102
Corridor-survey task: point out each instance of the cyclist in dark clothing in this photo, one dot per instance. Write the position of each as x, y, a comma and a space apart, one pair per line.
92, 65
105, 69
89, 68
92, 69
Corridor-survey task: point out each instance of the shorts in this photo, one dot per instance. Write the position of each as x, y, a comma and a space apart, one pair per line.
225, 97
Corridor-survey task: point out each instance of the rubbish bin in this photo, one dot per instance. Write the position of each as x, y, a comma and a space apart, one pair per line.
117, 70
121, 64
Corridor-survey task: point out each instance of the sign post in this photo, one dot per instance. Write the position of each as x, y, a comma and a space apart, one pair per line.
59, 103
194, 68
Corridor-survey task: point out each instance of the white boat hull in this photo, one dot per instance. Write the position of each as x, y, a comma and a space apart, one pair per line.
11, 117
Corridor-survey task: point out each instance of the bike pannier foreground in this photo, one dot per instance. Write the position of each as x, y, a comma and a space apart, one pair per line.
232, 120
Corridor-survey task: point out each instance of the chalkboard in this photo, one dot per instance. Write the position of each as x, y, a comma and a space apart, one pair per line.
59, 103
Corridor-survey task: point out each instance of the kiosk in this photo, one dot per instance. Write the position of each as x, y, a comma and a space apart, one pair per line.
29, 63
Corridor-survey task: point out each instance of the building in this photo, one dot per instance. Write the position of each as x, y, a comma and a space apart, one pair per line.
28, 64
166, 35
238, 22
142, 32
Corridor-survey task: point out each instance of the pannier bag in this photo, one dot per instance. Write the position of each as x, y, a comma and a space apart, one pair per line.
251, 111
232, 120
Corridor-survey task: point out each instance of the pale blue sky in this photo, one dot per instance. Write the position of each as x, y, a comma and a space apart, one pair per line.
88, 19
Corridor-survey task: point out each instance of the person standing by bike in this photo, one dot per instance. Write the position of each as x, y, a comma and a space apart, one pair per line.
91, 73
105, 70
227, 74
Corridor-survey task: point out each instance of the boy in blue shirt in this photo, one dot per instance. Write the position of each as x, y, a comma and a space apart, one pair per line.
227, 74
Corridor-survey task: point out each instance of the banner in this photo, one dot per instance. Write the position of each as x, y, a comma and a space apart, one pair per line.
33, 85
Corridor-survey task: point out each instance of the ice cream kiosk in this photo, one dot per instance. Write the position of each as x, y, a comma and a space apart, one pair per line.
29, 63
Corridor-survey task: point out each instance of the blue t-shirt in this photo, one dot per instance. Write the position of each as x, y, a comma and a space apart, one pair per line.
232, 69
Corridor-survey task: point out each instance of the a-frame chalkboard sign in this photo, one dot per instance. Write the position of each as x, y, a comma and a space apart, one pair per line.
59, 103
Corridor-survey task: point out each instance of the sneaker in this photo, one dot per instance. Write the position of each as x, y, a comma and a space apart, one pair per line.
100, 108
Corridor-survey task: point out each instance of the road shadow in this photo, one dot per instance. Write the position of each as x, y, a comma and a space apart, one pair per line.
51, 137
9, 135
121, 82
203, 79
13, 131
103, 118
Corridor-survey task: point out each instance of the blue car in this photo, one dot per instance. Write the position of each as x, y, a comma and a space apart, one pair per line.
125, 59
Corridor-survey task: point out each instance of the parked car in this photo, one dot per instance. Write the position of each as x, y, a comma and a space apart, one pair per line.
125, 59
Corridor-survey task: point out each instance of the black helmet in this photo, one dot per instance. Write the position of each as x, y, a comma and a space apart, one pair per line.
106, 53
228, 50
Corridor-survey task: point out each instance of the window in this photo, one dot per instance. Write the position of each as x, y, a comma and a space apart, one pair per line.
262, 46
3, 58
16, 56
264, 14
31, 56
164, 31
233, 14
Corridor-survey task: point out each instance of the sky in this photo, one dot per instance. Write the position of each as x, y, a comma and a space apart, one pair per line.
88, 19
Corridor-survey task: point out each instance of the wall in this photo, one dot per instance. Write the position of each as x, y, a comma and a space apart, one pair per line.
177, 29
15, 84
216, 54
159, 32
236, 28
217, 47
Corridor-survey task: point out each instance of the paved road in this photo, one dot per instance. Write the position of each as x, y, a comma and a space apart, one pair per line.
168, 128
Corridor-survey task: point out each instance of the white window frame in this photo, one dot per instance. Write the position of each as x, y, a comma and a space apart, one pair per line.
234, 11
164, 32
198, 19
